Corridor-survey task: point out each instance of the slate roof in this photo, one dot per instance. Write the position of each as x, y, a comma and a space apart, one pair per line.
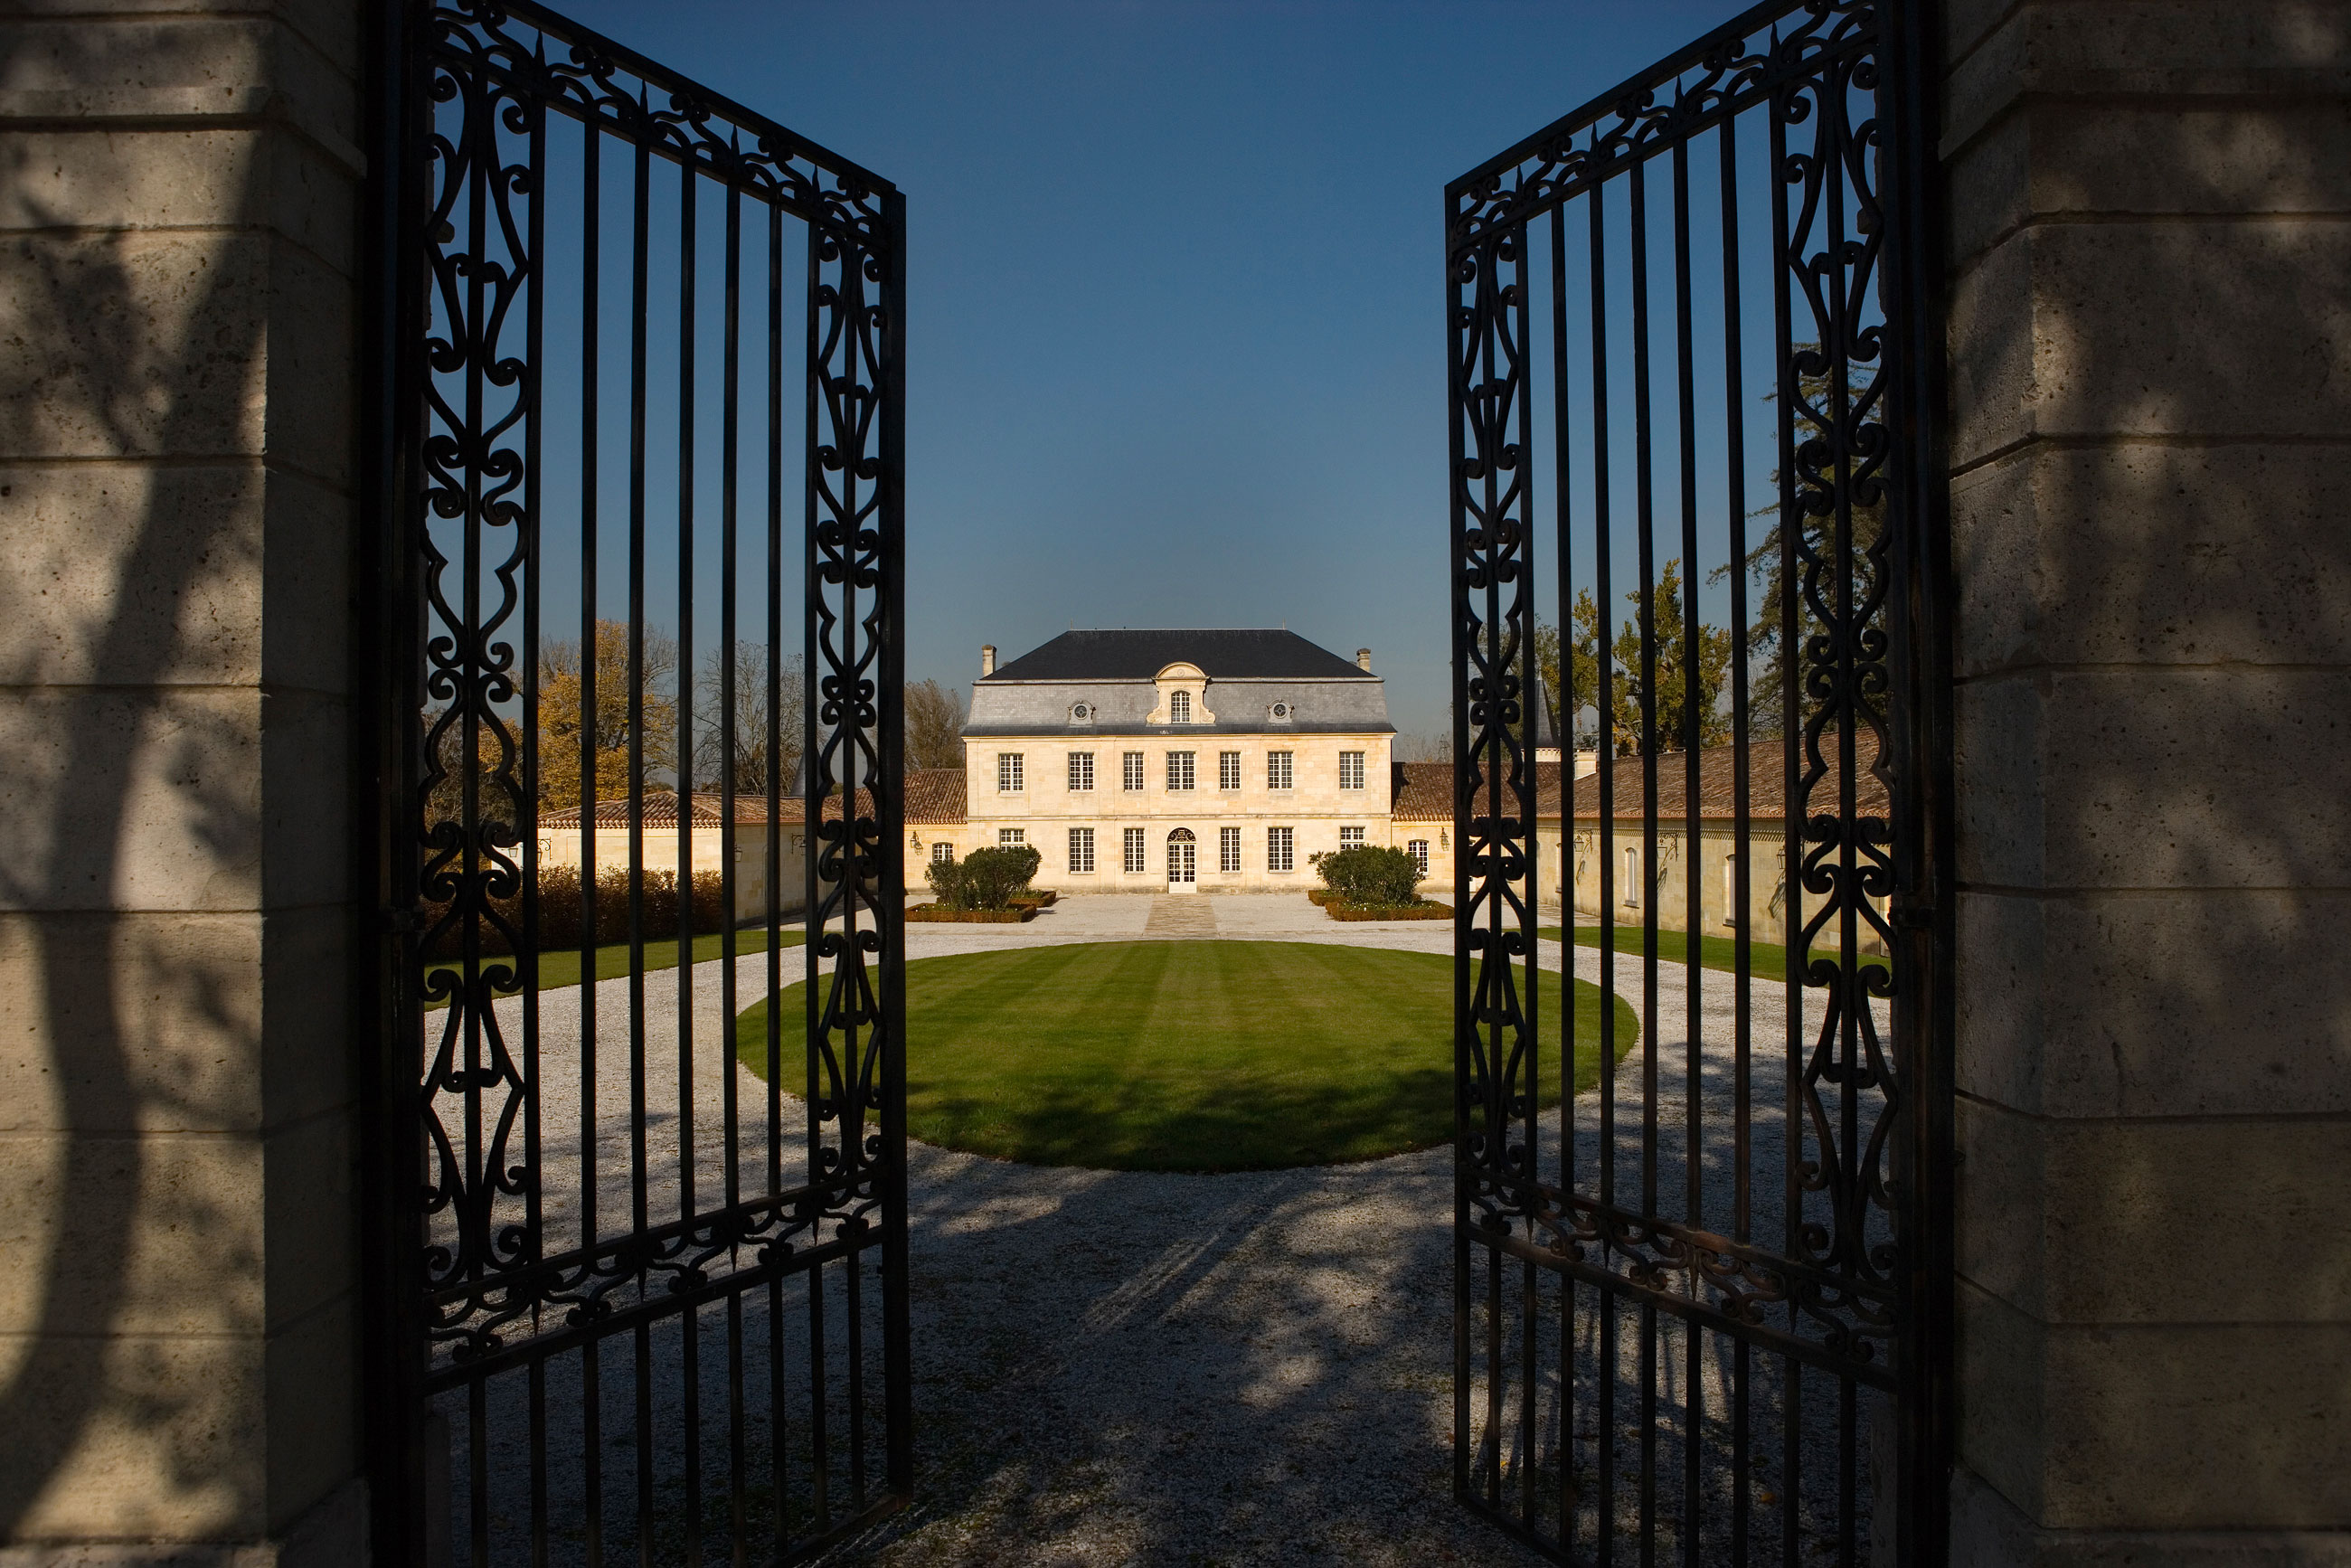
1138, 655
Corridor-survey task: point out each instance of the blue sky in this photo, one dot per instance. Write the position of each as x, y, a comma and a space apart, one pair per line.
1176, 340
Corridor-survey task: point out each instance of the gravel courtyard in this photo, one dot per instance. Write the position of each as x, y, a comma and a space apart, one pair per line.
1117, 1367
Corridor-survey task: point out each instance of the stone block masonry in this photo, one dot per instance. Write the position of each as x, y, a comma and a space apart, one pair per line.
179, 277
2150, 438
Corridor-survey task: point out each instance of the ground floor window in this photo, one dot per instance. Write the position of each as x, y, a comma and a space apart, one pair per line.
1730, 890
943, 854
1134, 849
1632, 879
1418, 849
1228, 849
1350, 838
1081, 849
1011, 838
1278, 849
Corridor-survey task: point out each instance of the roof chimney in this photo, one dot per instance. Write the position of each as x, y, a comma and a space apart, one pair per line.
988, 658
1363, 658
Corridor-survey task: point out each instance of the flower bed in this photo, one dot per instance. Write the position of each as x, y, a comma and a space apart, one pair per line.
940, 914
1425, 910
1320, 897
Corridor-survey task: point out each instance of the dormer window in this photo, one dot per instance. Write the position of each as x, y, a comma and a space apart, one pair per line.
1179, 707
1082, 713
1281, 713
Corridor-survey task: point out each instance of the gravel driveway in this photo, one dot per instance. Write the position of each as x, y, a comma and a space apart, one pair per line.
1121, 1368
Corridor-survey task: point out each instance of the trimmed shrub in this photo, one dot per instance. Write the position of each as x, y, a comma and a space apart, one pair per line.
1370, 876
984, 879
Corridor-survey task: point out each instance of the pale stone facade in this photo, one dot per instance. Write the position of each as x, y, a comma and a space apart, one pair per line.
1225, 771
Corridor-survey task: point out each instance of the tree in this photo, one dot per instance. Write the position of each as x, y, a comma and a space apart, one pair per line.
1570, 673
1766, 648
747, 761
934, 717
563, 677
1678, 688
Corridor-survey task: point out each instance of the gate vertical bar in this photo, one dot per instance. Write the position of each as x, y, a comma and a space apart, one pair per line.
1824, 1278
525, 1250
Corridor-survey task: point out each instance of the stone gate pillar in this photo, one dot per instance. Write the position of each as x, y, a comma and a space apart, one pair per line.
178, 261
2150, 428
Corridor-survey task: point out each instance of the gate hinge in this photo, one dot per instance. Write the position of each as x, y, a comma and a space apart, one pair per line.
1911, 912
400, 922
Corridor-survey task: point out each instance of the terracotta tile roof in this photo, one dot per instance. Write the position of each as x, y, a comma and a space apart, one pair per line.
935, 796
661, 811
1718, 780
1424, 790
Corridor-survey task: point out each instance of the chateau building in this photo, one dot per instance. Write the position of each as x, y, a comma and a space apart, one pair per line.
1190, 761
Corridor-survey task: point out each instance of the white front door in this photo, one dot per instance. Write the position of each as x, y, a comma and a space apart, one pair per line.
1180, 877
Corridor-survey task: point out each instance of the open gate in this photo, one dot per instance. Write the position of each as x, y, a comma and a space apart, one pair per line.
1702, 1308
644, 578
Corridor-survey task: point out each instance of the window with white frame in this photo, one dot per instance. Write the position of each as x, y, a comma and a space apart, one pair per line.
1134, 849
1632, 879
1350, 838
1351, 770
1229, 770
1081, 849
1730, 890
1008, 771
1418, 849
1179, 707
1228, 849
1011, 838
1131, 772
1179, 770
943, 854
1081, 770
1276, 770
1278, 847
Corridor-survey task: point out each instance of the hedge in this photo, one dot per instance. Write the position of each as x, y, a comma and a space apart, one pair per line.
563, 915
939, 913
1427, 909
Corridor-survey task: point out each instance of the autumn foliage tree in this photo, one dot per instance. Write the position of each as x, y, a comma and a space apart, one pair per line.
567, 673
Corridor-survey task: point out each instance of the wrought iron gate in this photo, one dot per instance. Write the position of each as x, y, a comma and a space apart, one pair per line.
651, 1297
1702, 1311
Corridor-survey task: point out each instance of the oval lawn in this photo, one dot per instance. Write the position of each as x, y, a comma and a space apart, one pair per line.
1186, 1056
